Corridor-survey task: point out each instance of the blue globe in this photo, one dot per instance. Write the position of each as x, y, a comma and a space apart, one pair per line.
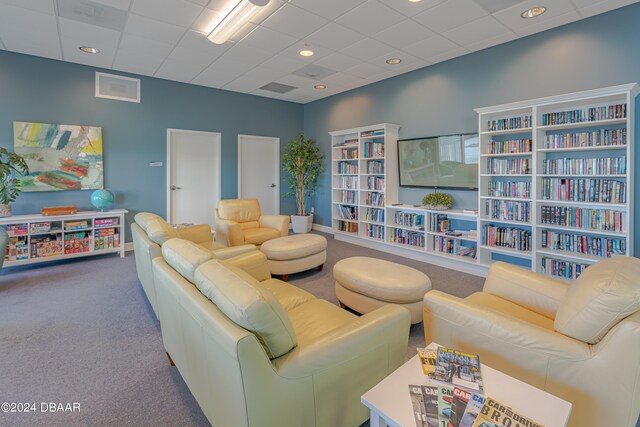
102, 199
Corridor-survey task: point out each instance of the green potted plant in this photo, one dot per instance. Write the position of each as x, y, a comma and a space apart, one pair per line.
437, 201
10, 165
303, 163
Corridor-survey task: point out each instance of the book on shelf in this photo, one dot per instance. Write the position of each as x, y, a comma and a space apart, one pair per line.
377, 132
588, 218
510, 123
515, 189
512, 146
590, 114
496, 414
562, 269
508, 210
599, 166
594, 138
583, 244
584, 190
508, 166
515, 238
373, 149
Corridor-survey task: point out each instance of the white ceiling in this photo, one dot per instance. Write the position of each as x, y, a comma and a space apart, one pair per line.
354, 38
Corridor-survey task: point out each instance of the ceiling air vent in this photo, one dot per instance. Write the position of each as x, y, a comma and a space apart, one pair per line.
278, 87
493, 6
110, 86
93, 13
314, 72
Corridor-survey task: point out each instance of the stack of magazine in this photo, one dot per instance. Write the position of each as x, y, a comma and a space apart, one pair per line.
454, 394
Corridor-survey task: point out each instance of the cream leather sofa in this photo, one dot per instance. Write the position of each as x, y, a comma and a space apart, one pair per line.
239, 221
150, 231
580, 342
265, 353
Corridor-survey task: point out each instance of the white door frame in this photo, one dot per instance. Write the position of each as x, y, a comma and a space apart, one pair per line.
217, 137
277, 165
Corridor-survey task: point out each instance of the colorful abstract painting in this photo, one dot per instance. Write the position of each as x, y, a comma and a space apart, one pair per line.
60, 157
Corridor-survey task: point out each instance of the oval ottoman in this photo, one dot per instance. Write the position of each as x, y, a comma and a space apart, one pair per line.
365, 284
293, 254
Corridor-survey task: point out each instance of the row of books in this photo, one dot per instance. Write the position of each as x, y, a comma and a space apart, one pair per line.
377, 132
408, 219
583, 244
350, 227
375, 183
347, 168
509, 166
439, 223
374, 199
509, 189
106, 222
452, 246
584, 190
17, 249
106, 238
560, 268
512, 146
373, 149
76, 243
349, 153
375, 215
591, 114
347, 212
349, 141
509, 123
601, 166
506, 237
375, 167
406, 237
594, 219
595, 138
346, 196
507, 210
76, 225
349, 182
374, 231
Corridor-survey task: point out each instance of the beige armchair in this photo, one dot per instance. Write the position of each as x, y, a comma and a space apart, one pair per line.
239, 221
580, 342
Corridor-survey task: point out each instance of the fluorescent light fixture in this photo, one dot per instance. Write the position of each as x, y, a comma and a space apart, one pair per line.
89, 49
394, 61
533, 12
306, 52
320, 87
236, 18
414, 1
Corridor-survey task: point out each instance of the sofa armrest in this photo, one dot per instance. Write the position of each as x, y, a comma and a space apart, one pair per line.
229, 232
200, 233
279, 222
383, 330
226, 253
254, 263
533, 291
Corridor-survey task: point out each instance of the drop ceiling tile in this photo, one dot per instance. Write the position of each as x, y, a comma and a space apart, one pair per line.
409, 62
585, 3
207, 21
176, 12
511, 18
199, 2
46, 48
144, 45
493, 41
334, 36
294, 21
220, 73
247, 55
268, 40
24, 27
266, 11
293, 52
475, 31
337, 61
367, 49
556, 21
254, 79
199, 42
411, 9
296, 81
450, 14
178, 70
403, 33
137, 62
104, 59
118, 4
370, 17
191, 57
450, 54
283, 63
330, 9
2, 45
75, 34
141, 26
42, 6
341, 80
365, 70
601, 7
242, 85
430, 47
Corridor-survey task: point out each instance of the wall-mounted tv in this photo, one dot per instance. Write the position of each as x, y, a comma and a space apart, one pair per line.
448, 161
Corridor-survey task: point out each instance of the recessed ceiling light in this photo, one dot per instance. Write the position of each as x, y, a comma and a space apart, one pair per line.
533, 12
414, 1
394, 61
89, 49
320, 87
307, 52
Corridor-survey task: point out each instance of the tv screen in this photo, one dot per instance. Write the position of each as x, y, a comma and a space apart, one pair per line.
449, 161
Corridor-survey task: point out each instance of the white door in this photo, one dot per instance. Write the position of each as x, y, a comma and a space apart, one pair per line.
259, 171
193, 176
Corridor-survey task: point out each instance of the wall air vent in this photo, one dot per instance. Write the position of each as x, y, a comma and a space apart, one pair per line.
278, 87
120, 88
92, 13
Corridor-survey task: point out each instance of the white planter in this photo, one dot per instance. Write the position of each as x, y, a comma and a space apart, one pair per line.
301, 223
5, 210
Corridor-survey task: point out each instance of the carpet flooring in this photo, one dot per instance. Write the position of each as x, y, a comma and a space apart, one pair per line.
82, 331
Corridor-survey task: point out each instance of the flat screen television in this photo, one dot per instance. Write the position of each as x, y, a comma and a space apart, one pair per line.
448, 161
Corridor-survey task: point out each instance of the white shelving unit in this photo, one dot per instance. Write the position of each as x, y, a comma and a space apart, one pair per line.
37, 238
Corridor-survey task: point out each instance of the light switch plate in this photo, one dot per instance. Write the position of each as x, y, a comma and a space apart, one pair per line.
155, 164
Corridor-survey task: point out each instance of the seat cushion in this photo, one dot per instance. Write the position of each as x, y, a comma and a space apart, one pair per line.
317, 317
239, 210
504, 307
185, 256
249, 224
288, 296
295, 246
382, 280
258, 236
607, 292
158, 230
241, 298
212, 246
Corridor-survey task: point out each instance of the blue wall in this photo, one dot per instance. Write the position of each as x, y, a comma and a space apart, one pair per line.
42, 90
440, 99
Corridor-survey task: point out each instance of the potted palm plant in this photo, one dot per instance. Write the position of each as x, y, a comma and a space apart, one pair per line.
10, 165
303, 163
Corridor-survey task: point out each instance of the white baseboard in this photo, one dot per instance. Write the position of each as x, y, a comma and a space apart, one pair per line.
322, 228
128, 247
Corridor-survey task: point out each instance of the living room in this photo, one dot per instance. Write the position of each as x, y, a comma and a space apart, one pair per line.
84, 331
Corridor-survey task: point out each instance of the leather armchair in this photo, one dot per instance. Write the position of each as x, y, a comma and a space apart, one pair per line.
239, 221
580, 342
150, 231
307, 366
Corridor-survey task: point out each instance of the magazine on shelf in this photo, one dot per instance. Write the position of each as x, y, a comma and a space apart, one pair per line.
495, 414
458, 406
474, 406
458, 368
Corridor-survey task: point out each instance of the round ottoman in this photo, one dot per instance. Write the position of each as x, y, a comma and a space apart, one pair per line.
365, 284
293, 254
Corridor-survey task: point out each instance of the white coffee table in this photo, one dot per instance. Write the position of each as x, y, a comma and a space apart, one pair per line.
390, 403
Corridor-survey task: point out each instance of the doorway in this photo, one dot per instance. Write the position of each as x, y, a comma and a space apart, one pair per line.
193, 176
259, 171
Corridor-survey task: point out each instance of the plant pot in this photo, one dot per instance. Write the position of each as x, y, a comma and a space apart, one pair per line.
436, 207
5, 210
301, 223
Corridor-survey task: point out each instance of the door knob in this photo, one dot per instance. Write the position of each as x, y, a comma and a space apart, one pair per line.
173, 187
272, 185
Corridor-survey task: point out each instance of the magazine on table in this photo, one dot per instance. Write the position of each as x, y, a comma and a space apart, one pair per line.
459, 404
474, 406
428, 361
459, 369
496, 414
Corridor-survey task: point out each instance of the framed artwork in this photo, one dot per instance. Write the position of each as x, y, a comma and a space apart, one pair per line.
60, 157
